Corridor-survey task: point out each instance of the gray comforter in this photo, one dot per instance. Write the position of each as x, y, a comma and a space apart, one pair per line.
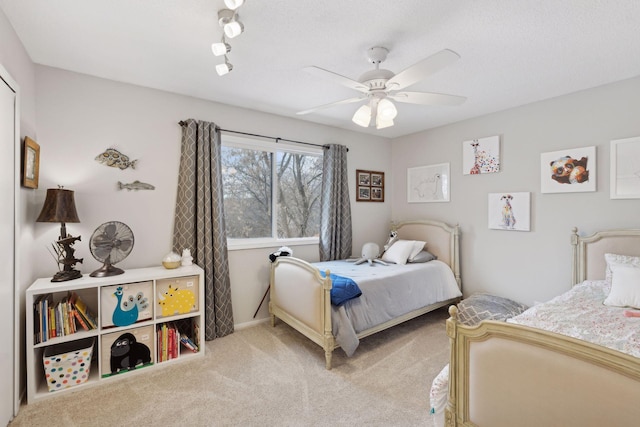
387, 293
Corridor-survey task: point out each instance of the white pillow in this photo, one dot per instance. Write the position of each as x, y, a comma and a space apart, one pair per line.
399, 252
417, 248
625, 286
619, 259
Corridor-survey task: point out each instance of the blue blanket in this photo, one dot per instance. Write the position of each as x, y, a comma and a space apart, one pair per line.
343, 289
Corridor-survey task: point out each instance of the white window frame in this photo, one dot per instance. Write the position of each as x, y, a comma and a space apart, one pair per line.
272, 147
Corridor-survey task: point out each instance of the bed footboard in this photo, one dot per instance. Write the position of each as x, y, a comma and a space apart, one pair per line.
301, 297
503, 374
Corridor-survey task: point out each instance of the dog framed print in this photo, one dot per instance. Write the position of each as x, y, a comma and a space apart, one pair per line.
568, 171
510, 211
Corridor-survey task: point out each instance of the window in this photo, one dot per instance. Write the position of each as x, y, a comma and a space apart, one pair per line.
271, 191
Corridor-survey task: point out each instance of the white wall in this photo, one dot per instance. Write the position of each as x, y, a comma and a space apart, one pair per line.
80, 116
526, 266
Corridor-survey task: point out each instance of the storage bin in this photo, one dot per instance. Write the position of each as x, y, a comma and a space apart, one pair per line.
126, 350
126, 304
67, 364
177, 296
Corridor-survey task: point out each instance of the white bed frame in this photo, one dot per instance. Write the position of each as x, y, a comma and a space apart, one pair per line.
301, 297
503, 374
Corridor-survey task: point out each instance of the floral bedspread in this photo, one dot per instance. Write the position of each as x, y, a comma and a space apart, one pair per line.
578, 313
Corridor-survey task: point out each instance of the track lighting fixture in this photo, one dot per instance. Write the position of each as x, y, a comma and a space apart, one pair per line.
231, 27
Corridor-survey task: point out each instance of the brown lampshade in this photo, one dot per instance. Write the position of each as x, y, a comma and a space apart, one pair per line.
59, 206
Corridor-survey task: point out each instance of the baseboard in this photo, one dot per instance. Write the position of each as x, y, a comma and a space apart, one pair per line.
250, 324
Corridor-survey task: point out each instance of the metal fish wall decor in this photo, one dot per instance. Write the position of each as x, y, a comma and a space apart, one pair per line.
136, 185
114, 158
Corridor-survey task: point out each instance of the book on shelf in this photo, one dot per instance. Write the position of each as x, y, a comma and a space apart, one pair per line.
84, 311
168, 341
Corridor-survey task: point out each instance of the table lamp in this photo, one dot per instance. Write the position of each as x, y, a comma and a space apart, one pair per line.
59, 206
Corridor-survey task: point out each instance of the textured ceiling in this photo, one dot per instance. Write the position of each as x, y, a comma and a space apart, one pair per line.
513, 52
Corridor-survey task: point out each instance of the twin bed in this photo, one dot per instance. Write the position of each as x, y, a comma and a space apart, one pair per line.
572, 361
391, 294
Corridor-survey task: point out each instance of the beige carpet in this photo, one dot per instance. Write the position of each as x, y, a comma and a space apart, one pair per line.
269, 377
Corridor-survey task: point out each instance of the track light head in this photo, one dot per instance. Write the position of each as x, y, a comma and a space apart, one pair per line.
233, 29
224, 68
221, 48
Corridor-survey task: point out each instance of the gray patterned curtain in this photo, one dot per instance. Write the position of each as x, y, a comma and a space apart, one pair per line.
199, 220
335, 210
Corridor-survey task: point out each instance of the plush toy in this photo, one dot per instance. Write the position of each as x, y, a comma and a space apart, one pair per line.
393, 236
283, 251
370, 252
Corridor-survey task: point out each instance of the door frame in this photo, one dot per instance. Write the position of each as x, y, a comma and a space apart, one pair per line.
6, 78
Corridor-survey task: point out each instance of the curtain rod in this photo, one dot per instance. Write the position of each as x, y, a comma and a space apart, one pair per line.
276, 139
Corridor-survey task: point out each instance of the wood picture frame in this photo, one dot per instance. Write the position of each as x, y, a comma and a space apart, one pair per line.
369, 186
30, 163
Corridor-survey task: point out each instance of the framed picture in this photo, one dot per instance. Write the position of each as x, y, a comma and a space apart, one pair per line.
568, 171
370, 186
625, 168
428, 183
481, 155
510, 211
31, 163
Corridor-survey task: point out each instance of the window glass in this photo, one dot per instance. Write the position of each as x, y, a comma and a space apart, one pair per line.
270, 192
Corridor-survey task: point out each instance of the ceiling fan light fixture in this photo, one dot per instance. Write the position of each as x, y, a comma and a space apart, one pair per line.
386, 110
220, 48
362, 116
233, 4
383, 123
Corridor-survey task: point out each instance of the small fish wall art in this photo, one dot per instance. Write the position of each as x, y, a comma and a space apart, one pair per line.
136, 185
114, 158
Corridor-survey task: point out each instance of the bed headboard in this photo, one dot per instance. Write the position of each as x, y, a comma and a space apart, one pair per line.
443, 240
588, 251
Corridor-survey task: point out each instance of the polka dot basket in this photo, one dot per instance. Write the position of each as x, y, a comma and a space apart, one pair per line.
67, 364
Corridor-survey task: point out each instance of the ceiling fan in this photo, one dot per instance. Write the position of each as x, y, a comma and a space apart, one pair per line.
379, 86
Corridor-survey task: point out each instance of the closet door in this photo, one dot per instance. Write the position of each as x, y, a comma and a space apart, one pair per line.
7, 244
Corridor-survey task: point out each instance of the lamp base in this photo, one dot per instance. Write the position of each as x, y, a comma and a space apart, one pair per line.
63, 276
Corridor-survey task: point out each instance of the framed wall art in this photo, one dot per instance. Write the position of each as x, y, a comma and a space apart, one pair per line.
428, 183
481, 155
625, 168
510, 211
370, 186
568, 171
31, 163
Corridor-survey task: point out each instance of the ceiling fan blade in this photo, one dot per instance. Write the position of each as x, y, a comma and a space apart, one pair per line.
344, 81
422, 69
333, 104
427, 98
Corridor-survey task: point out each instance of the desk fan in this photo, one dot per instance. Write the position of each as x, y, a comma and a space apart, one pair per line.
110, 243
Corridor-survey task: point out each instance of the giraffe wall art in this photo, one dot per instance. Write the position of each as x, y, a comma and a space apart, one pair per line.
481, 155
